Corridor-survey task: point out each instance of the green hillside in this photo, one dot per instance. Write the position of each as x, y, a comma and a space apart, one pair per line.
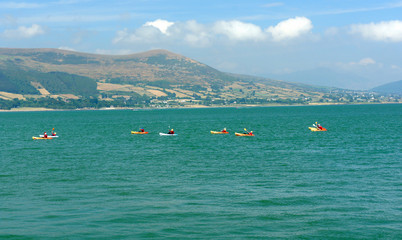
156, 78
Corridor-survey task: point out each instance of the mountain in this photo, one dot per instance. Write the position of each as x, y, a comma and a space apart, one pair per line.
35, 73
389, 88
327, 77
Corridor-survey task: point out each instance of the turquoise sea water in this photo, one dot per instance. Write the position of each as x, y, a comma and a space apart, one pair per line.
97, 181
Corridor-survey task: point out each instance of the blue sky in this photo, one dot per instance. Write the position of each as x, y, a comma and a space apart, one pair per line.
357, 38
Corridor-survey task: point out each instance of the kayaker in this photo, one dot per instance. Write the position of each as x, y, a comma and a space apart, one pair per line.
53, 133
224, 130
142, 130
319, 126
44, 135
171, 131
250, 133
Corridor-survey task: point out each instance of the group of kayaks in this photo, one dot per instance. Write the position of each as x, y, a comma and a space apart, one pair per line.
44, 136
161, 134
171, 133
316, 128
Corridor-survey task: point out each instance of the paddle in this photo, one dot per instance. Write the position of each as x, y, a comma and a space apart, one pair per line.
247, 131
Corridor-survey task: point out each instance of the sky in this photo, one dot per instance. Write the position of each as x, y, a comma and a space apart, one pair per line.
359, 40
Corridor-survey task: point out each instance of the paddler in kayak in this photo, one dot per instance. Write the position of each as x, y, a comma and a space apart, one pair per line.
53, 133
142, 130
171, 131
224, 130
247, 132
44, 135
318, 126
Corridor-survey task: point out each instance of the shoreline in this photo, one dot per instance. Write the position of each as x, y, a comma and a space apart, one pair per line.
28, 109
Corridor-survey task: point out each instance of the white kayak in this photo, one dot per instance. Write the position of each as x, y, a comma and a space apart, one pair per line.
167, 134
49, 136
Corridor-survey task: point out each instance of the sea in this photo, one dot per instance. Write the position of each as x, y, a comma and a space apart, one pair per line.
99, 181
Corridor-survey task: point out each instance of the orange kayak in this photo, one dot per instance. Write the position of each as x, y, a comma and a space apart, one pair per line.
218, 132
244, 134
133, 132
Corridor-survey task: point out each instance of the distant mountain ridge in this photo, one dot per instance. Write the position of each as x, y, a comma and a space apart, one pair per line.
390, 88
326, 77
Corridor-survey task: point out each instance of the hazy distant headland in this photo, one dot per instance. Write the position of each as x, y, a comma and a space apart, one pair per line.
59, 79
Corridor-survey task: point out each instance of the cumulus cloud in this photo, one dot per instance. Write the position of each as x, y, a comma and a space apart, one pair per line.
24, 32
366, 61
149, 32
143, 34
237, 30
201, 35
160, 24
67, 48
193, 33
390, 31
291, 28
363, 62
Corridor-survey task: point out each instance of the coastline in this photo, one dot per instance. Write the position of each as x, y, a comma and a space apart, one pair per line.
28, 109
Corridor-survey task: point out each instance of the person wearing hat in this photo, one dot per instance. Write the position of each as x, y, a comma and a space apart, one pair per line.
171, 131
224, 130
44, 135
142, 130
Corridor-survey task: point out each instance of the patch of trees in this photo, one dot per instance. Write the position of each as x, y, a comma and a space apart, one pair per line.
60, 103
17, 80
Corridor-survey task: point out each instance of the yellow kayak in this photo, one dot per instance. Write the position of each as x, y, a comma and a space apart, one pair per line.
317, 129
134, 132
218, 132
41, 138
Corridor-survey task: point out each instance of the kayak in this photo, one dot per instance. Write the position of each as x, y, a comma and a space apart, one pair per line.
244, 134
166, 134
133, 132
317, 130
218, 132
40, 138
49, 136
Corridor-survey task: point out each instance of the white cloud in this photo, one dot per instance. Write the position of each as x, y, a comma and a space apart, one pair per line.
67, 48
291, 28
160, 24
236, 30
390, 31
193, 33
201, 35
363, 62
366, 61
113, 52
24, 32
